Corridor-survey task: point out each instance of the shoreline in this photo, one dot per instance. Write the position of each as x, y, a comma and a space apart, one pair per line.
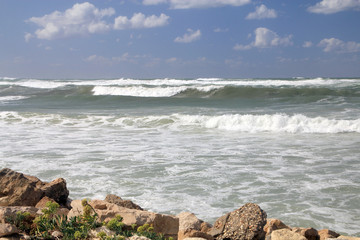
23, 192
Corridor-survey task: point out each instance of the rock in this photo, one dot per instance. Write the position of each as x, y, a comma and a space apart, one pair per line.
165, 224
347, 238
56, 190
7, 229
111, 198
43, 201
286, 234
94, 232
273, 224
136, 237
194, 238
17, 189
191, 226
12, 237
326, 233
308, 233
6, 212
245, 223
57, 235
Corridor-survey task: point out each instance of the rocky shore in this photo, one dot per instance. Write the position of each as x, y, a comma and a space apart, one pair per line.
33, 209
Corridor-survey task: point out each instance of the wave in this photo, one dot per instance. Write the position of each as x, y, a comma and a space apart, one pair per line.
249, 123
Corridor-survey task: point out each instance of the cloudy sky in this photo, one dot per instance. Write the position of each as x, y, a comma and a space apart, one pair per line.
179, 38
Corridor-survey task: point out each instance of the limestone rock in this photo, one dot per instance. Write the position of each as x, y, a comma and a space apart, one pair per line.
190, 226
17, 189
308, 233
165, 224
273, 224
326, 233
94, 232
111, 198
245, 223
136, 237
286, 234
347, 238
7, 229
57, 235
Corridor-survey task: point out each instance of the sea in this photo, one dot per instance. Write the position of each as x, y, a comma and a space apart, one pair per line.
203, 145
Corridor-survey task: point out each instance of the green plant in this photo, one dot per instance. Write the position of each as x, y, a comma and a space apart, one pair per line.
22, 220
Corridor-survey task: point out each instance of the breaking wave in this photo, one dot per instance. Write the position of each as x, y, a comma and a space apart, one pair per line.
275, 123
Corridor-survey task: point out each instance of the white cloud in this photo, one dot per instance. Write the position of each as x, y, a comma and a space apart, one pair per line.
217, 30
265, 38
188, 37
186, 4
336, 45
28, 36
334, 6
139, 20
262, 12
307, 44
153, 2
81, 19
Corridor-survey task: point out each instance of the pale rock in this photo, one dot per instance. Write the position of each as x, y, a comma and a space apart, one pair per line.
286, 234
94, 232
191, 226
273, 224
342, 237
165, 224
7, 229
111, 198
57, 235
308, 233
136, 237
326, 233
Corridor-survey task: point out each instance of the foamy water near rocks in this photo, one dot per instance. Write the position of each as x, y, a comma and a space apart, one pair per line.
21, 193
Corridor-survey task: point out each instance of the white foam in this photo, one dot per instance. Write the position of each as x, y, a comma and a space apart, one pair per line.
11, 98
275, 123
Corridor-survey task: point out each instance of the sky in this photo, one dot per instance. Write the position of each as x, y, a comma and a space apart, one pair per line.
93, 39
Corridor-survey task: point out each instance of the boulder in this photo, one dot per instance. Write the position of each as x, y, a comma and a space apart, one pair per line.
165, 224
273, 224
245, 223
286, 234
308, 233
7, 229
17, 189
190, 226
136, 237
111, 198
326, 233
94, 232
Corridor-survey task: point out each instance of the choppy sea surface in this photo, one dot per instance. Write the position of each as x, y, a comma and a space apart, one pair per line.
206, 145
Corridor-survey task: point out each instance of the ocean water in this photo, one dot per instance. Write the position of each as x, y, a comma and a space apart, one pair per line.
207, 146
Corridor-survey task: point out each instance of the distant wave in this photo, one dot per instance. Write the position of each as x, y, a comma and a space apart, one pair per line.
274, 123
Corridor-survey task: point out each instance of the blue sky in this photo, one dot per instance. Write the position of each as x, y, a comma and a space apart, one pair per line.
179, 38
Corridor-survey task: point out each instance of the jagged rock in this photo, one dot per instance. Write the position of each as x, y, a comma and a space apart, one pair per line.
286, 234
165, 224
245, 223
273, 224
7, 229
308, 233
190, 226
17, 189
326, 233
111, 198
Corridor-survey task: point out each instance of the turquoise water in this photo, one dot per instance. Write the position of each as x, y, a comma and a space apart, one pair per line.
202, 145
